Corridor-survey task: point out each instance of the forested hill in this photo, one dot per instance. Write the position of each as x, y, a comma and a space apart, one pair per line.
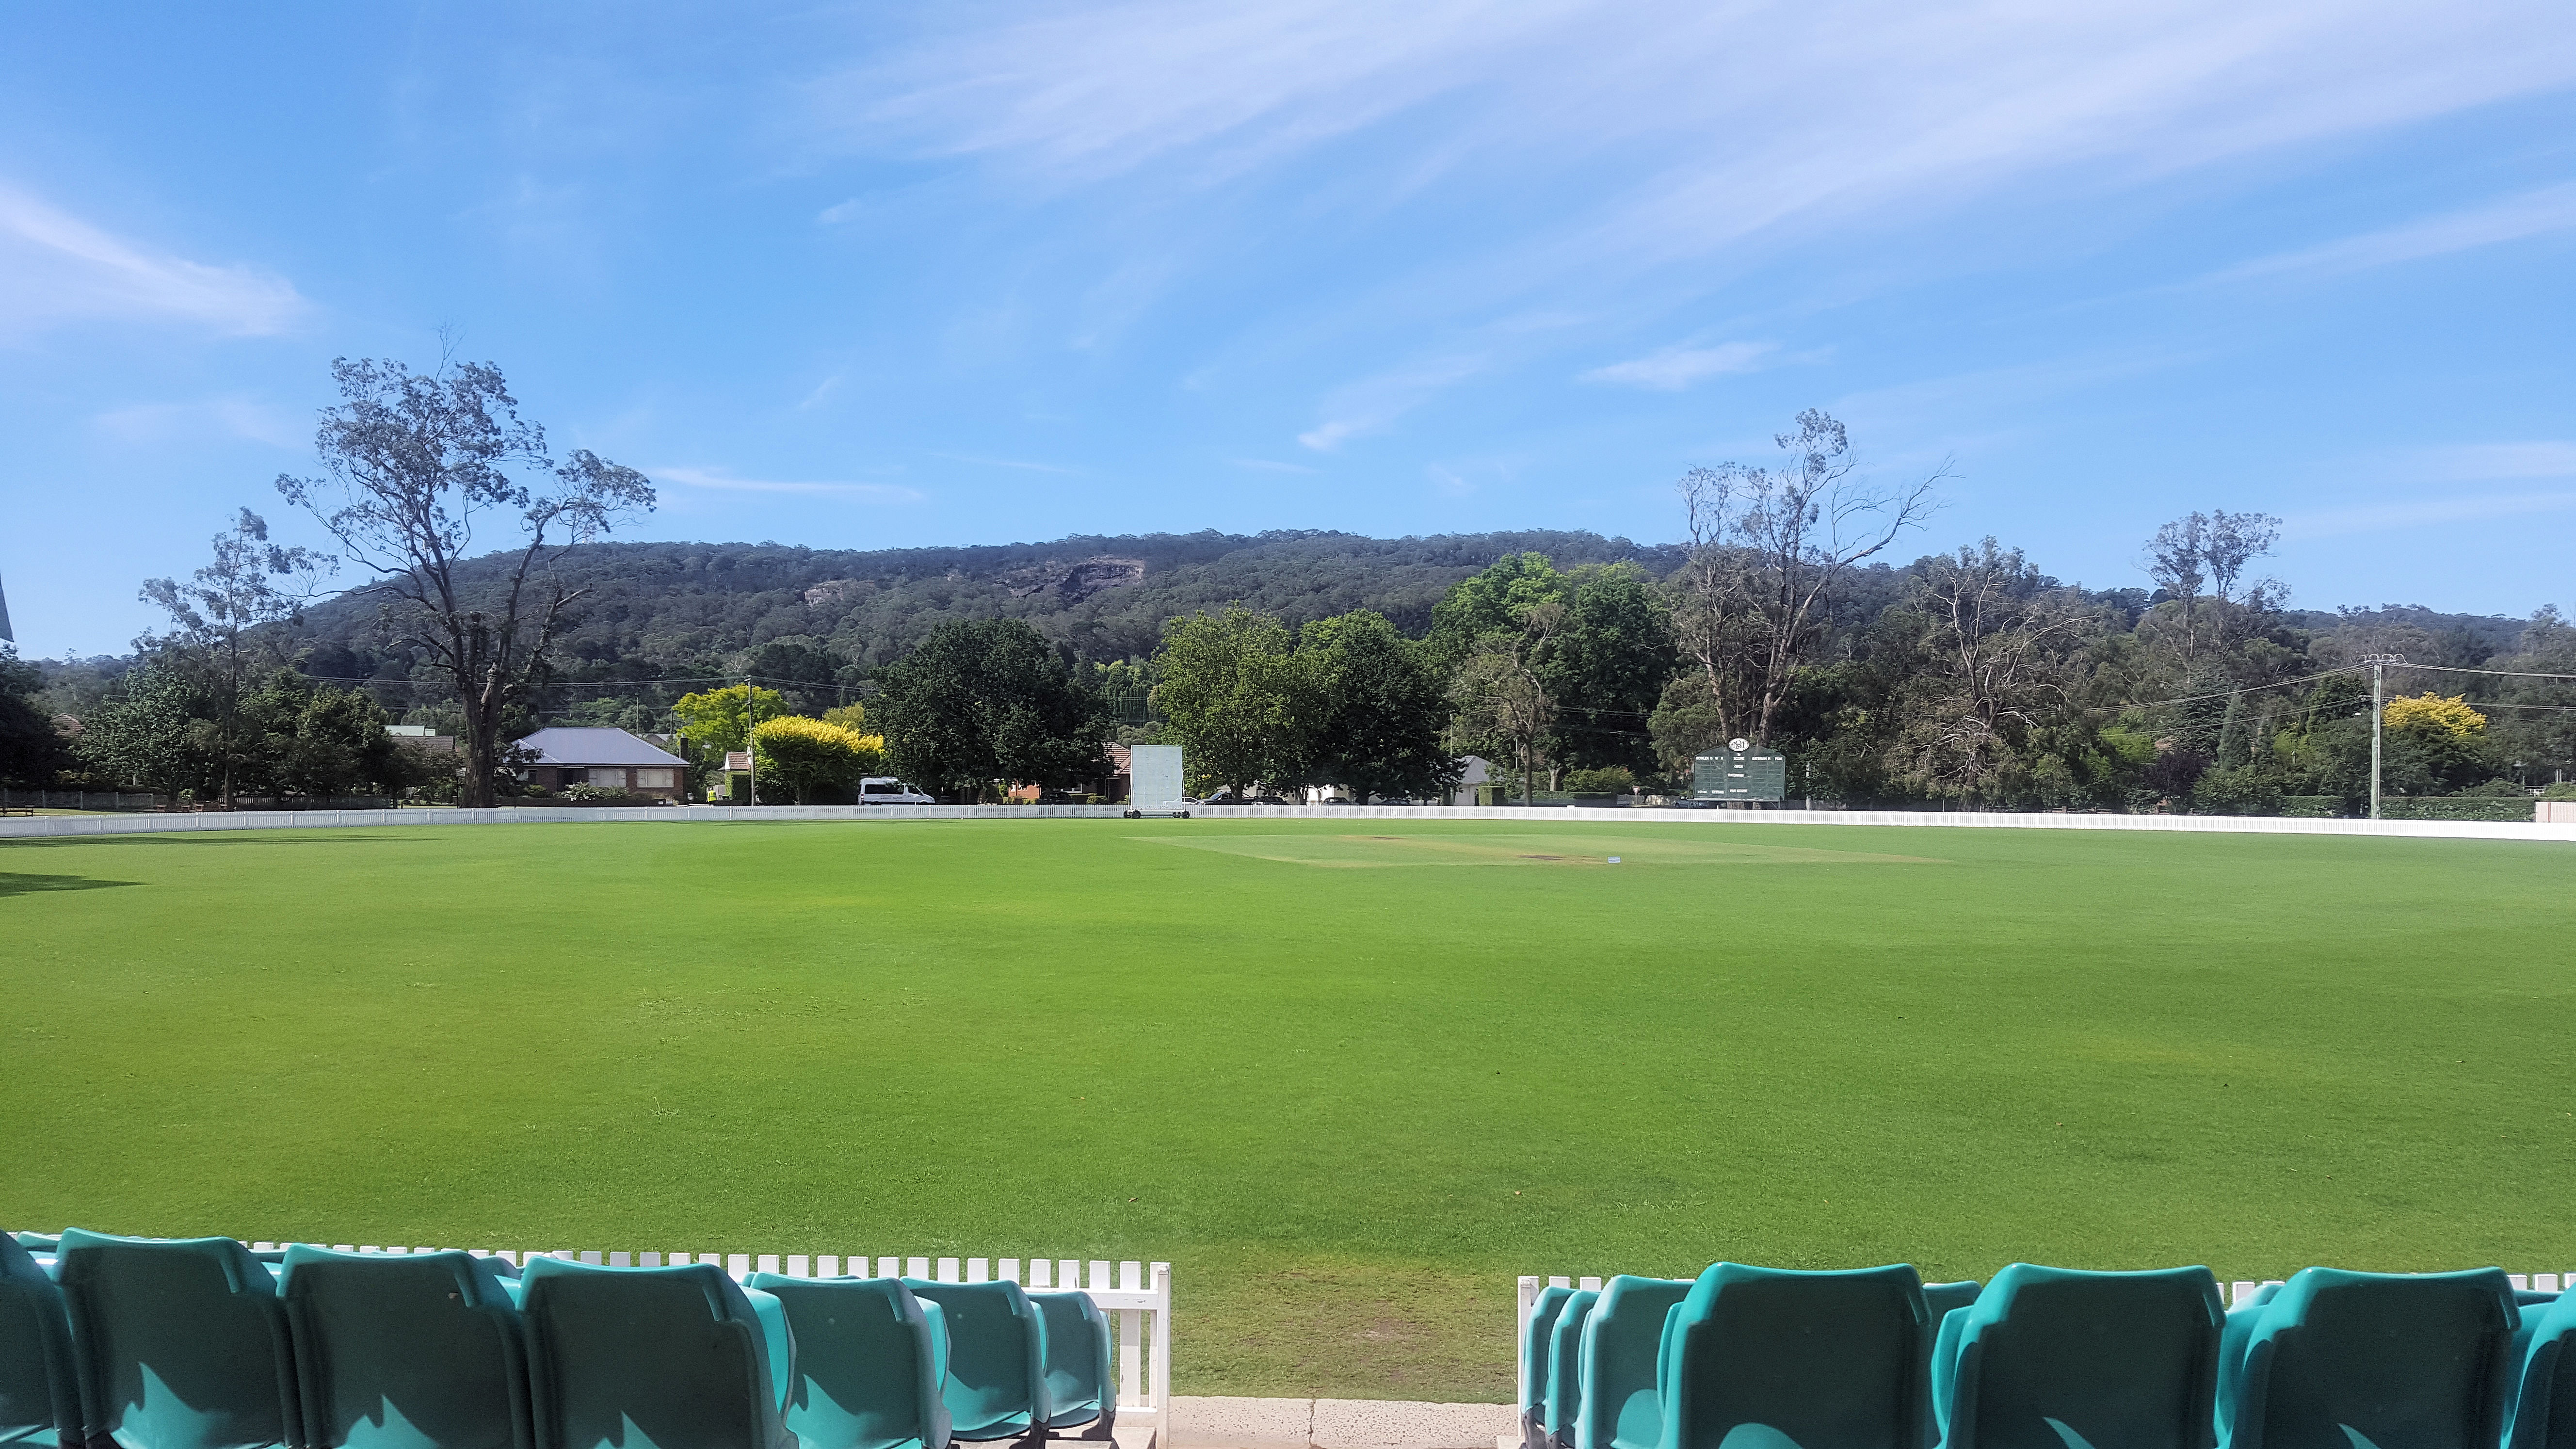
653, 608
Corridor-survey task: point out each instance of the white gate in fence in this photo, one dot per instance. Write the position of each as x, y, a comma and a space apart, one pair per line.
1135, 1296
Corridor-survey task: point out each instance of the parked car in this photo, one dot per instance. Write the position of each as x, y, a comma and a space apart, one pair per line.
887, 790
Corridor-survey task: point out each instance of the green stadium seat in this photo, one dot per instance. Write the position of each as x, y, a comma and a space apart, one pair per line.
2544, 1401
1079, 1391
1939, 1301
1537, 1335
870, 1358
406, 1351
37, 1242
1769, 1358
1621, 1339
654, 1358
39, 1394
179, 1343
2054, 1358
1565, 1369
996, 1383
2543, 1415
2342, 1360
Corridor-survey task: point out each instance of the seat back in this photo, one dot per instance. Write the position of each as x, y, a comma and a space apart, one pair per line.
1537, 1336
996, 1382
869, 1360
405, 1351
2338, 1360
653, 1358
39, 1396
1077, 1362
1939, 1301
1622, 1406
1767, 1358
1565, 1368
2118, 1360
2544, 1401
178, 1343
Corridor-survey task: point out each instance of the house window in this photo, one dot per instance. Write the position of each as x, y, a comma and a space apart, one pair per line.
613, 778
653, 780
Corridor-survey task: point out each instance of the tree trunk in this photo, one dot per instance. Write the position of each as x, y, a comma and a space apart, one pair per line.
482, 753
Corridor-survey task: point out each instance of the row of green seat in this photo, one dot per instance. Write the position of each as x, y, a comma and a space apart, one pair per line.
2048, 1358
201, 1343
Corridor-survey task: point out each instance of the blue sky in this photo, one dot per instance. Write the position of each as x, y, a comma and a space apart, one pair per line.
879, 276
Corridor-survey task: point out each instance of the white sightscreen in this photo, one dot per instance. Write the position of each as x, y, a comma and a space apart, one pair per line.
1154, 775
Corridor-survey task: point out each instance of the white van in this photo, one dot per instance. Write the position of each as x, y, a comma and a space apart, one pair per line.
887, 790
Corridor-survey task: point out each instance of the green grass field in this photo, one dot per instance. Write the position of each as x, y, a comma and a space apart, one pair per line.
1350, 1077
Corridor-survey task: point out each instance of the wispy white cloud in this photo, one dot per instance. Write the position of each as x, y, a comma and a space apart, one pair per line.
721, 480
2445, 469
2478, 461
1690, 129
2538, 212
2421, 512
222, 417
56, 268
1671, 369
1021, 464
1372, 404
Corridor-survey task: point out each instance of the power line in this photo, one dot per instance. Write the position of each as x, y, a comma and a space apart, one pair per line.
2497, 673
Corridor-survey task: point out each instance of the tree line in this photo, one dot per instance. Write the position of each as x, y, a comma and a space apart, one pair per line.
1967, 677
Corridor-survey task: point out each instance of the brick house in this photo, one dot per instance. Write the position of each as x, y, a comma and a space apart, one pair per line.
611, 759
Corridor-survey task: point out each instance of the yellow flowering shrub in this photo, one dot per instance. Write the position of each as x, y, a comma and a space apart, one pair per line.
2431, 714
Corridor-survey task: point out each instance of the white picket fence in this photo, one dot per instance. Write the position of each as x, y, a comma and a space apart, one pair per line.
2237, 1293
1136, 1297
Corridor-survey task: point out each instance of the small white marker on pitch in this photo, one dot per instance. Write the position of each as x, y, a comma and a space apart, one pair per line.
1614, 860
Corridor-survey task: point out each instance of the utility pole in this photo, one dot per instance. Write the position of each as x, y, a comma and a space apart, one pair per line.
2378, 715
751, 758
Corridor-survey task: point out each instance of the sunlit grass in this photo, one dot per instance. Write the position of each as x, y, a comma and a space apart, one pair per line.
1348, 1103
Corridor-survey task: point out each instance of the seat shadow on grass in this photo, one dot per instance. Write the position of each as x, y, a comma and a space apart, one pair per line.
28, 885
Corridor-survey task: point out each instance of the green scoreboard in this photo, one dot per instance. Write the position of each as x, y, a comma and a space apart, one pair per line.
1739, 772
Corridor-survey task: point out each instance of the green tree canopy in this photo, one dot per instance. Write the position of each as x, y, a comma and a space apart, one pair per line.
1232, 689
1378, 708
146, 733
985, 700
30, 752
718, 719
1496, 601
1606, 666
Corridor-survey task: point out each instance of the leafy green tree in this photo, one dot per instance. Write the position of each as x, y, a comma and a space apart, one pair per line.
1606, 666
225, 622
1499, 702
719, 720
149, 732
1237, 700
31, 753
1379, 708
802, 757
1496, 601
1687, 723
317, 741
988, 700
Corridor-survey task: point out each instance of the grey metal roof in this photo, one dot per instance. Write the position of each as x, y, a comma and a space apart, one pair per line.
568, 746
